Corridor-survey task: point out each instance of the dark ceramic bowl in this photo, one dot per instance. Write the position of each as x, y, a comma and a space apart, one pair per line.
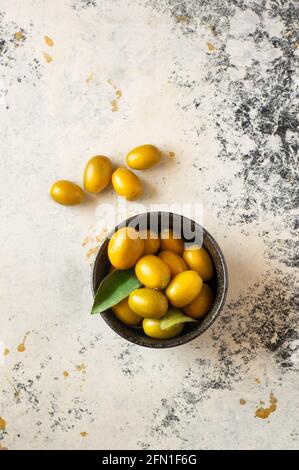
218, 284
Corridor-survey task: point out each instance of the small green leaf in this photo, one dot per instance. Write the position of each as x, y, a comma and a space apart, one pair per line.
172, 317
114, 288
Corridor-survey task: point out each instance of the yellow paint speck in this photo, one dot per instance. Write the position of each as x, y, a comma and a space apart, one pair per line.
114, 106
242, 401
21, 347
274, 338
65, 373
100, 237
118, 94
211, 47
182, 19
84, 434
258, 381
110, 83
90, 78
19, 35
86, 241
47, 57
6, 352
3, 424
81, 368
171, 154
92, 252
49, 41
264, 413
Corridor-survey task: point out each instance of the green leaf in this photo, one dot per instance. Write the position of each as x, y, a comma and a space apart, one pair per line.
114, 288
172, 317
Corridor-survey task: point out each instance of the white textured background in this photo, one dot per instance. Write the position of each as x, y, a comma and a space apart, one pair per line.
212, 82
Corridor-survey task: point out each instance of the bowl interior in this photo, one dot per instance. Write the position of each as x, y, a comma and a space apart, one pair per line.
218, 284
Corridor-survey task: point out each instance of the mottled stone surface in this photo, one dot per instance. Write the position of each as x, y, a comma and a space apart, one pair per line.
213, 82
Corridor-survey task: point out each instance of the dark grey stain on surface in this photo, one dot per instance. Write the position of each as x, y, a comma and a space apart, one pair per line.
12, 38
261, 106
82, 4
262, 322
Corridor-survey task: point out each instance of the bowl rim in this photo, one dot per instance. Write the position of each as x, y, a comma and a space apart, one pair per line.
189, 335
